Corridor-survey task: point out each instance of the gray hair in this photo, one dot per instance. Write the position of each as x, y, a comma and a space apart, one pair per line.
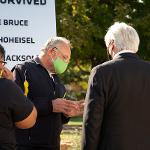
124, 36
54, 41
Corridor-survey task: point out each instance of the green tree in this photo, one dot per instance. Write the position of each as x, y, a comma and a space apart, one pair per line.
85, 22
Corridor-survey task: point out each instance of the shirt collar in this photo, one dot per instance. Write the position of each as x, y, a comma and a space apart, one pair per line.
121, 52
38, 62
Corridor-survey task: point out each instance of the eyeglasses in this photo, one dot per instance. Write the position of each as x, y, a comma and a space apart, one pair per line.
65, 58
3, 63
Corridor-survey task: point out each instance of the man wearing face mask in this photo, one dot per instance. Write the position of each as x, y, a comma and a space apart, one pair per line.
40, 83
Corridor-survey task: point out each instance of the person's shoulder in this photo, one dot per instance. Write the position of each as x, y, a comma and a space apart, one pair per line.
145, 62
12, 87
103, 66
8, 84
6, 81
24, 65
145, 65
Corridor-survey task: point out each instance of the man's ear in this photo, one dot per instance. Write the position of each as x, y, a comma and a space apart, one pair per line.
113, 47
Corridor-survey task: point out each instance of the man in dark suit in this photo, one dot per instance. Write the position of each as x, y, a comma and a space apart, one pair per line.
117, 107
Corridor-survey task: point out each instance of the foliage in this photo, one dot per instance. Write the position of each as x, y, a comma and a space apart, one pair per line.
85, 24
75, 121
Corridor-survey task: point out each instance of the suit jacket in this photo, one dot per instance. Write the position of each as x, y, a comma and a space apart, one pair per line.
117, 111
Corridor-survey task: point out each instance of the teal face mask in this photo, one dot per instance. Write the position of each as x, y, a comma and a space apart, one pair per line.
59, 65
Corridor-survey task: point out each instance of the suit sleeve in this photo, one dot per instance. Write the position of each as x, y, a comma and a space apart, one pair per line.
42, 104
93, 113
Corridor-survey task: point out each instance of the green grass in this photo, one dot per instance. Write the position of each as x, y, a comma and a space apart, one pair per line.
72, 139
75, 121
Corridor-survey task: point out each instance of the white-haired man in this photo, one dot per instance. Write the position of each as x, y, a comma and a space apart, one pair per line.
117, 104
39, 81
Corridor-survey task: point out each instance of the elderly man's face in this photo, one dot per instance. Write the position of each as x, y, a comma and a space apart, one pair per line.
59, 56
63, 52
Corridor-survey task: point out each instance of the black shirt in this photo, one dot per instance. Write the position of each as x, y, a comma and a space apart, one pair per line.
43, 88
14, 107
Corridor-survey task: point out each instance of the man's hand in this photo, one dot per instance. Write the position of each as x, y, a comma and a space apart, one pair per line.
64, 106
76, 112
